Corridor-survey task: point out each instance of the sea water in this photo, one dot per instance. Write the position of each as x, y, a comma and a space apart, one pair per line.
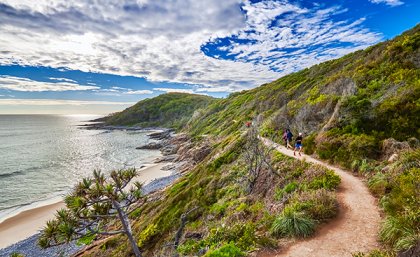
43, 156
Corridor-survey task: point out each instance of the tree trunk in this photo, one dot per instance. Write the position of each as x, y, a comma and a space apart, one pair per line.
127, 228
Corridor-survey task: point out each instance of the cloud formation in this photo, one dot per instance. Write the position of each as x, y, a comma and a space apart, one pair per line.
387, 2
166, 40
64, 79
286, 37
28, 85
174, 90
50, 102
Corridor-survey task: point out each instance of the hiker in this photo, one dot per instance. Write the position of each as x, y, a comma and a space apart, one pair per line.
285, 137
298, 144
289, 138
248, 124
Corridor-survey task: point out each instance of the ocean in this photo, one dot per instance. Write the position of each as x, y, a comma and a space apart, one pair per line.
43, 156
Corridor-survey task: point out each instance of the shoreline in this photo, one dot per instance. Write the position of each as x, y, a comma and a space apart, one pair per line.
28, 222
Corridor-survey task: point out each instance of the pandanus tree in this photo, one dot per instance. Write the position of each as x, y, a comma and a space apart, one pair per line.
94, 207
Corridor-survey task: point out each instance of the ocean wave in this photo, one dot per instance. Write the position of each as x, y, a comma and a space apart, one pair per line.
12, 174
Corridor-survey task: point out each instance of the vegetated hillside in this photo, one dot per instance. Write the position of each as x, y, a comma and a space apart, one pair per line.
348, 109
171, 110
356, 111
224, 215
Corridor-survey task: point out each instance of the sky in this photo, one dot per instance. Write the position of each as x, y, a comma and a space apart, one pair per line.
67, 57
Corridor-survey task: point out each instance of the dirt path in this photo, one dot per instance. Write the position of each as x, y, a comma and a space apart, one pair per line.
356, 227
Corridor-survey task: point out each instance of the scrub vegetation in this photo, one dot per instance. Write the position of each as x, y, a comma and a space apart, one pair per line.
171, 110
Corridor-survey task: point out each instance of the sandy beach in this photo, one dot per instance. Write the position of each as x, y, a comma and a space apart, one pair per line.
29, 222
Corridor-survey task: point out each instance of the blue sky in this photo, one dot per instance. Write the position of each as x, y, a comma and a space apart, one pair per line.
80, 57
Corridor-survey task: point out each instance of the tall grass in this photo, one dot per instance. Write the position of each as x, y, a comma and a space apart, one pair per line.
293, 223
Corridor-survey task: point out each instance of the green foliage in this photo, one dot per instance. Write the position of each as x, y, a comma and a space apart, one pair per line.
92, 208
16, 254
378, 183
320, 205
289, 188
242, 234
293, 223
329, 181
86, 239
397, 231
227, 250
147, 233
310, 144
171, 110
374, 253
401, 202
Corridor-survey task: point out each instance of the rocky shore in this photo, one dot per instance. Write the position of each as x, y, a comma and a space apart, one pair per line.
180, 154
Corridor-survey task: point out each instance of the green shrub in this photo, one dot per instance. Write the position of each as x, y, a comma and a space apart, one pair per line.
309, 143
243, 234
399, 233
287, 189
150, 231
374, 253
290, 187
228, 250
365, 167
16, 254
320, 205
378, 184
293, 223
218, 208
329, 181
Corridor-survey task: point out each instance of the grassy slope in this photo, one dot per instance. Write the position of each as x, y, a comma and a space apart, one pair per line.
226, 213
171, 110
377, 91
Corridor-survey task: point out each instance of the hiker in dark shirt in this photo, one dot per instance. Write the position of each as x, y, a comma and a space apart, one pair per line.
298, 144
285, 137
289, 138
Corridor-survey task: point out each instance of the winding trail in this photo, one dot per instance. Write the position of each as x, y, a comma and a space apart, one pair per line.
355, 229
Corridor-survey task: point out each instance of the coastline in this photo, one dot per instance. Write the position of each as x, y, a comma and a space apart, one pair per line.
28, 222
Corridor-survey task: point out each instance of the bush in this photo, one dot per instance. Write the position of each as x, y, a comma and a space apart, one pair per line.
228, 250
374, 253
15, 254
328, 181
399, 233
287, 189
243, 234
320, 205
309, 143
378, 184
293, 223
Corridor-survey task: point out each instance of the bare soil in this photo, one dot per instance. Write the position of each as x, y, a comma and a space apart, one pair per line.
355, 229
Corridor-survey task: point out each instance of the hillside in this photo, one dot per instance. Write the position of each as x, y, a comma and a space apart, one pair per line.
356, 112
171, 110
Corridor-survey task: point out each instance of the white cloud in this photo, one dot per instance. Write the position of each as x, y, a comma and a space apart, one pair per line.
215, 89
28, 85
138, 92
300, 38
64, 79
49, 102
387, 2
174, 90
161, 40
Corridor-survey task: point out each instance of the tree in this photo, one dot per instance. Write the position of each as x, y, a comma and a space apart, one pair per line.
256, 154
92, 207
